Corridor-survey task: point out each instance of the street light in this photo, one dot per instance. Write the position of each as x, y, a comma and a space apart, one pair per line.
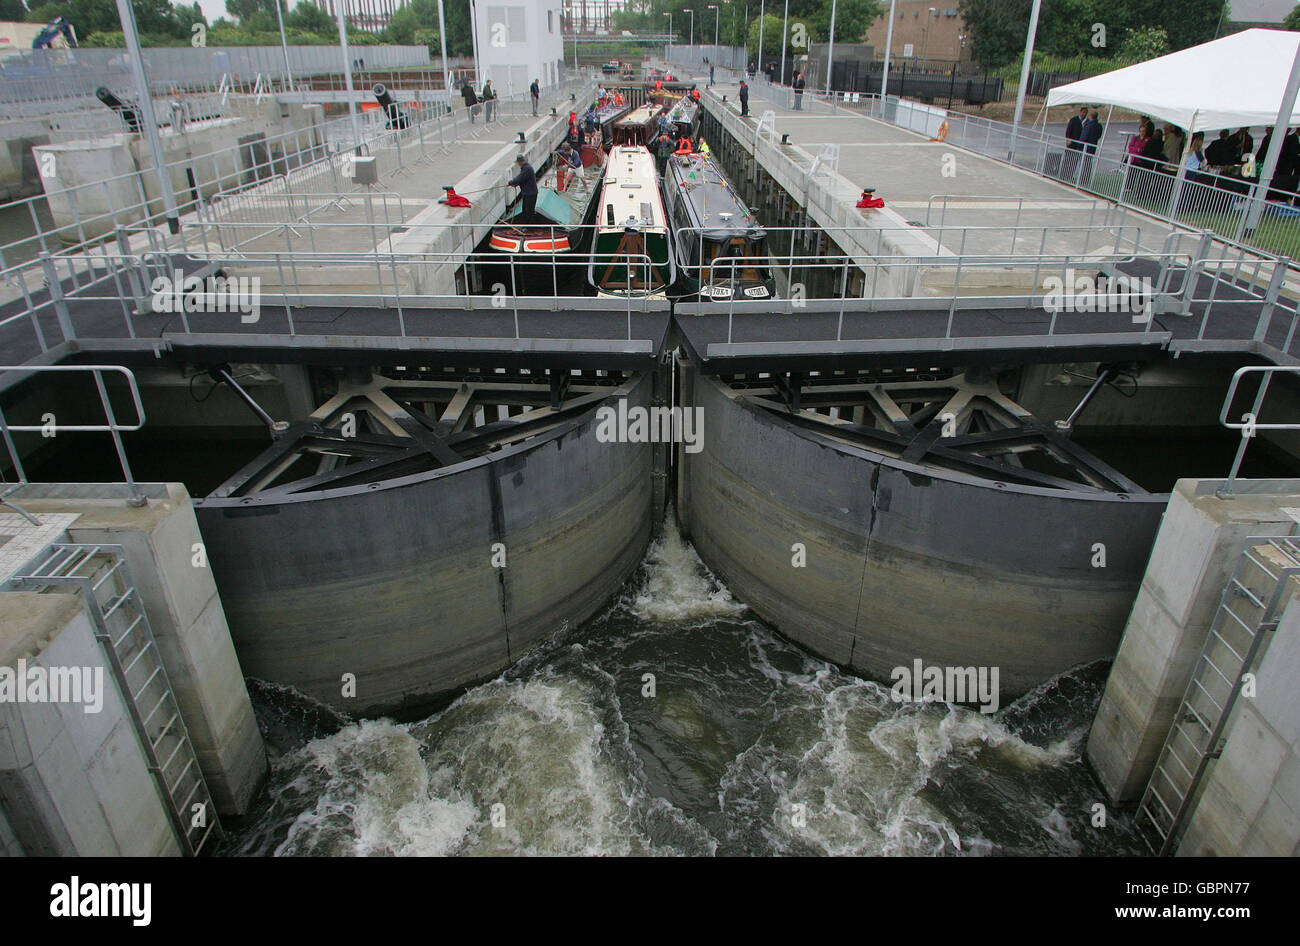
830, 50
671, 35
717, 22
785, 32
692, 15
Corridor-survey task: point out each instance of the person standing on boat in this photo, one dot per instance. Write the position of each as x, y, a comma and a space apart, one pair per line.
526, 181
571, 157
744, 99
489, 98
535, 93
665, 145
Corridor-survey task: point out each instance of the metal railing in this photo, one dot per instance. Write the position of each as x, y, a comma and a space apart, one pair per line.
1249, 423
53, 429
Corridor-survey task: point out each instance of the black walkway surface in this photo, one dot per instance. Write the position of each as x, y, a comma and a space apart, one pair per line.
821, 335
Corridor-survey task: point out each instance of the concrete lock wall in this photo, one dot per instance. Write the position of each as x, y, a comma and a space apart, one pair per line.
1250, 804
394, 582
71, 782
186, 616
905, 562
1199, 543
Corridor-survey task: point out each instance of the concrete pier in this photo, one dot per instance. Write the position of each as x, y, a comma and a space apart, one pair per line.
1199, 542
167, 561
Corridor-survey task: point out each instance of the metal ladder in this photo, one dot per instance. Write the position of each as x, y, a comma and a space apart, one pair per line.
122, 628
1249, 610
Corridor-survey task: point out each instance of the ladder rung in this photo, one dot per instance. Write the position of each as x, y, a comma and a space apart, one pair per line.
1225, 643
180, 775
161, 700
166, 729
1197, 716
121, 600
1157, 797
1244, 626
135, 697
134, 624
108, 574
163, 767
1183, 765
198, 783
131, 666
1248, 593
1207, 692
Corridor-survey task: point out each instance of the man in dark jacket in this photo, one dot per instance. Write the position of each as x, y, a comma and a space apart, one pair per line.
526, 181
535, 93
744, 99
1074, 131
489, 99
798, 91
1090, 138
665, 145
471, 100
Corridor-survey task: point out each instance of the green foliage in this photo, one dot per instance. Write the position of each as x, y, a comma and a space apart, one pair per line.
1142, 43
1069, 28
1292, 21
12, 11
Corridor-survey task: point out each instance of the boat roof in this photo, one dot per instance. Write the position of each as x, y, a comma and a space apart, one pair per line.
642, 116
610, 112
684, 111
632, 190
714, 207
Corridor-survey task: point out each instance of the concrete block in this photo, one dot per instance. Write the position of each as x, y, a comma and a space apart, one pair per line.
189, 624
73, 782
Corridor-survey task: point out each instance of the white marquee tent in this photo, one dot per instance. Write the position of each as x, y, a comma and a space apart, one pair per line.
1230, 82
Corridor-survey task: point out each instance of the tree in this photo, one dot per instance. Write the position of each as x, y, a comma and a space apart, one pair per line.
1292, 21
1142, 43
309, 18
12, 11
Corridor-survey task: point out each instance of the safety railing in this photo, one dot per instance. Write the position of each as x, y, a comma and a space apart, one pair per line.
1250, 423
66, 220
113, 427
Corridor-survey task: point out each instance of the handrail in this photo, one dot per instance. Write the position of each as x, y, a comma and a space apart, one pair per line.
1249, 423
112, 427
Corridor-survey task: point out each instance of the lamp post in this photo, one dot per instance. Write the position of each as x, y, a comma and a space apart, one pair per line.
284, 45
717, 22
347, 76
691, 13
442, 36
131, 37
785, 32
671, 35
830, 49
762, 8
1024, 73
889, 45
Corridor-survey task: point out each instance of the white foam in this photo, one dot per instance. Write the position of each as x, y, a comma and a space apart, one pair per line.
679, 588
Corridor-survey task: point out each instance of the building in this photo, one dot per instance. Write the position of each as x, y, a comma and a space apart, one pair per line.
516, 41
1248, 14
370, 15
923, 29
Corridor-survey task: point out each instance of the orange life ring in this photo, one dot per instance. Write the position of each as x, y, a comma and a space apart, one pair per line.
943, 131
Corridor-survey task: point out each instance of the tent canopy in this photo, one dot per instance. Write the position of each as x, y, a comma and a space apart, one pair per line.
1230, 82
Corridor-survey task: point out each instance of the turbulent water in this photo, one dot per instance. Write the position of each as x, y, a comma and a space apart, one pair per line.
747, 746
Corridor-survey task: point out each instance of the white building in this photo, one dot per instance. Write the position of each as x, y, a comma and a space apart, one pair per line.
517, 41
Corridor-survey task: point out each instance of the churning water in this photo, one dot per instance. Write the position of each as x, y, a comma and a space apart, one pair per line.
748, 746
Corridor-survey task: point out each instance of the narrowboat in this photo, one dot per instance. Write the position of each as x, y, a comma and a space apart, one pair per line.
638, 127
631, 223
721, 249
